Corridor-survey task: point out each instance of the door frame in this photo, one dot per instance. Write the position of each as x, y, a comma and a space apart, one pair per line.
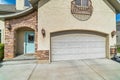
25, 46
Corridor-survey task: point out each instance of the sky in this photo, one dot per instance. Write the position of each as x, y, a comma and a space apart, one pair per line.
13, 2
118, 17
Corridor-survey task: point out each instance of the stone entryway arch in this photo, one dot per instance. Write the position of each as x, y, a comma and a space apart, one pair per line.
26, 23
22, 36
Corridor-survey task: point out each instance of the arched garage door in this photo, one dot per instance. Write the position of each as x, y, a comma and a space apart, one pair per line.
74, 45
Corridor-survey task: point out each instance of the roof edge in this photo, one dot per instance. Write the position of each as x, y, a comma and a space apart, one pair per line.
115, 4
17, 13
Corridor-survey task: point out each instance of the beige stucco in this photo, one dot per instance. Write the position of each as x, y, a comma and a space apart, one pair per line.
20, 42
20, 4
2, 26
55, 15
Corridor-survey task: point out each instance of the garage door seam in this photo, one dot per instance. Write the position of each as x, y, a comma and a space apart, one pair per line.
94, 70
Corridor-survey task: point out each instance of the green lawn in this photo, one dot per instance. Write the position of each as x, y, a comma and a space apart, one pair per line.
118, 50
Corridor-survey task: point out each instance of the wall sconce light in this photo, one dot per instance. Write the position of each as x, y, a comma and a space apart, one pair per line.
43, 32
8, 26
113, 33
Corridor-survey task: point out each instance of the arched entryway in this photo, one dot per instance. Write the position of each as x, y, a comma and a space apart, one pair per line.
20, 28
25, 41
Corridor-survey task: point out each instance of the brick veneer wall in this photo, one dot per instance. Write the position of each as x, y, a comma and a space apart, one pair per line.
29, 21
42, 55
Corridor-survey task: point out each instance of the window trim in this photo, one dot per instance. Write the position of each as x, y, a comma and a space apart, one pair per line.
81, 3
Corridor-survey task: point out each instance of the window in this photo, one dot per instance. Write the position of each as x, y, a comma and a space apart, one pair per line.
30, 38
81, 2
78, 2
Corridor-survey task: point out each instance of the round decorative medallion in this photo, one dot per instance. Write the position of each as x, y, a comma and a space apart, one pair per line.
81, 9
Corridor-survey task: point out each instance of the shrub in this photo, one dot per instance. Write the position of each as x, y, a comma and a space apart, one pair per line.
1, 52
118, 49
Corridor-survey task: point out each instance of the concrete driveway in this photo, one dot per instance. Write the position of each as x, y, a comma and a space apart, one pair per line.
96, 69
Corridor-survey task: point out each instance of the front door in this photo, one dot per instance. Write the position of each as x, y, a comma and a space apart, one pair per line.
29, 42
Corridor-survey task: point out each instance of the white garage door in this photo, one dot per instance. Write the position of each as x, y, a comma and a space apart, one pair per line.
77, 46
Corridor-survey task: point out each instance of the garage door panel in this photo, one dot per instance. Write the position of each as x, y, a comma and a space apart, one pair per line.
79, 40
78, 50
76, 57
77, 46
78, 53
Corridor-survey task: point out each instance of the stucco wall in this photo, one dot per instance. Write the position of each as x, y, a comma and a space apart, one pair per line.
20, 4
55, 15
2, 26
20, 43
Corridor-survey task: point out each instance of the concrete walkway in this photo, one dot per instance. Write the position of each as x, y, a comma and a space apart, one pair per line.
96, 69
